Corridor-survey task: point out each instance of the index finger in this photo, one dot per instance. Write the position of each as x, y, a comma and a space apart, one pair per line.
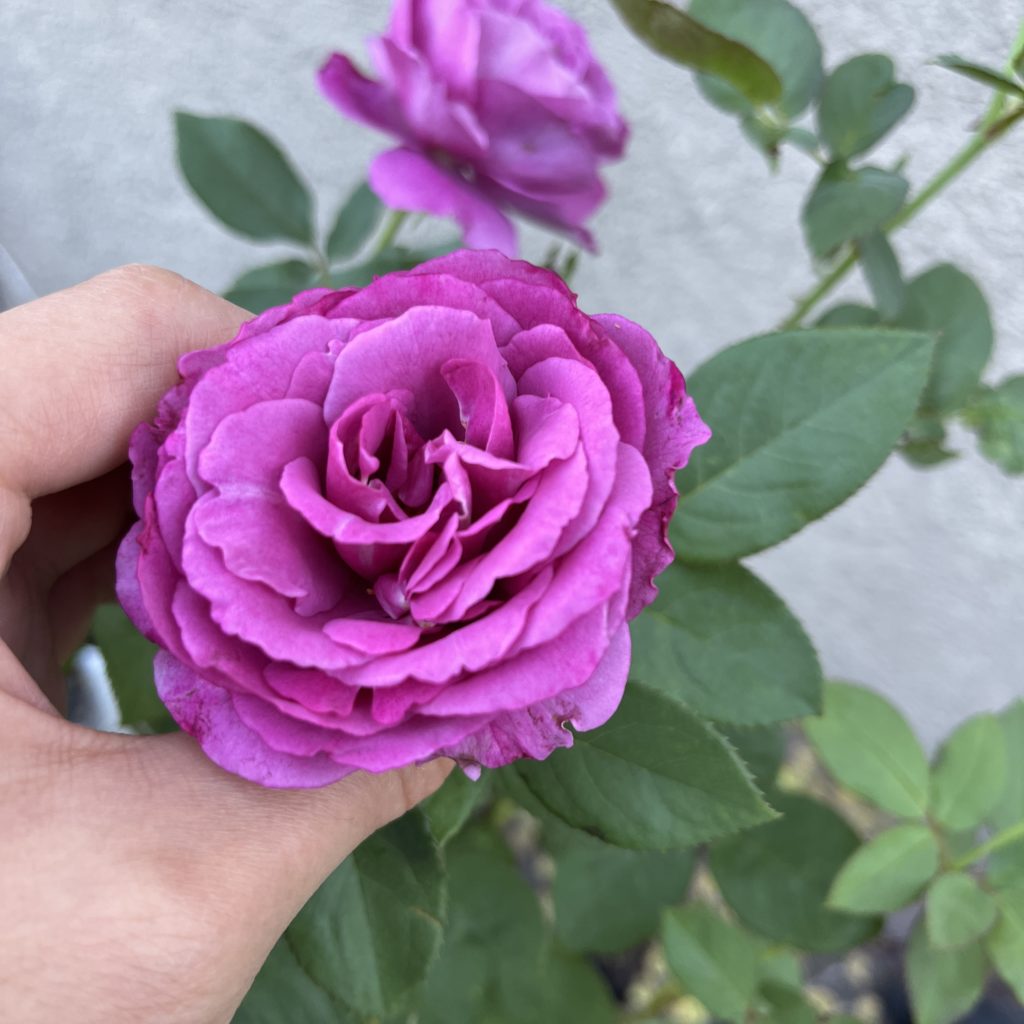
83, 366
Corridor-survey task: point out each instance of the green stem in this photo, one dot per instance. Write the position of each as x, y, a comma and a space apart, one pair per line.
391, 226
819, 291
996, 842
993, 127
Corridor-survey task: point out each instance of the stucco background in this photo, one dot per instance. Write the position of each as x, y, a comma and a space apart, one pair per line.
916, 586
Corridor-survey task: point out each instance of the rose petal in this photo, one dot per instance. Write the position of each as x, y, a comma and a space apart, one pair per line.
537, 731
360, 97
406, 180
369, 548
415, 740
408, 353
549, 515
208, 714
255, 613
579, 386
483, 407
257, 369
673, 430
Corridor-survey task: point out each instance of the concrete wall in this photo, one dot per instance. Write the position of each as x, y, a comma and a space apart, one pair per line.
915, 586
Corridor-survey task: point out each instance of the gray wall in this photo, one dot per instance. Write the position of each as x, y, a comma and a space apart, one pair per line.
915, 586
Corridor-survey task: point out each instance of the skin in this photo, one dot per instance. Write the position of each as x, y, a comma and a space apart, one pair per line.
139, 881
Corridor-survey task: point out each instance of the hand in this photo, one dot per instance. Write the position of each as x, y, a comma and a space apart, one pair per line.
138, 881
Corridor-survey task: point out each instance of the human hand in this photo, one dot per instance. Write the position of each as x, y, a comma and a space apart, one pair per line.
139, 882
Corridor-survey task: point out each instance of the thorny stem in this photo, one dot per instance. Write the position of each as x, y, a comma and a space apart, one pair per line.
992, 128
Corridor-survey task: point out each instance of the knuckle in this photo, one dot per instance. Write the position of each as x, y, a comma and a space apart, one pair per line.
142, 279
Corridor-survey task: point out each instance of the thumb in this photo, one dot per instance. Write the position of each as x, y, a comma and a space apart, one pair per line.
277, 842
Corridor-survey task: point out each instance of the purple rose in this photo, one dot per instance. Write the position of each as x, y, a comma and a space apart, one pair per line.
409, 520
498, 103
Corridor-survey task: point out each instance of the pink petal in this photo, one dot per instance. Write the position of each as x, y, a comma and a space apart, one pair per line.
673, 430
406, 180
579, 386
483, 407
257, 368
417, 739
360, 97
536, 731
208, 714
408, 353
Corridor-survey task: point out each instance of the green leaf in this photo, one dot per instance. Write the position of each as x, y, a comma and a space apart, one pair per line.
801, 420
243, 178
566, 988
849, 314
723, 643
947, 303
969, 774
654, 777
882, 272
957, 911
979, 73
943, 984
868, 747
1010, 808
494, 936
283, 991
497, 965
1004, 868
997, 417
355, 224
777, 32
716, 962
849, 204
273, 285
760, 748
781, 966
129, 658
371, 930
449, 808
687, 41
887, 873
860, 103
786, 1005
607, 898
777, 877
1005, 943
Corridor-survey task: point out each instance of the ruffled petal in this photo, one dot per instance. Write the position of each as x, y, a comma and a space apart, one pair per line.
673, 430
537, 731
207, 713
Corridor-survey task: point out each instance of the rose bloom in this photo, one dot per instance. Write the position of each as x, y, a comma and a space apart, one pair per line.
498, 103
413, 519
